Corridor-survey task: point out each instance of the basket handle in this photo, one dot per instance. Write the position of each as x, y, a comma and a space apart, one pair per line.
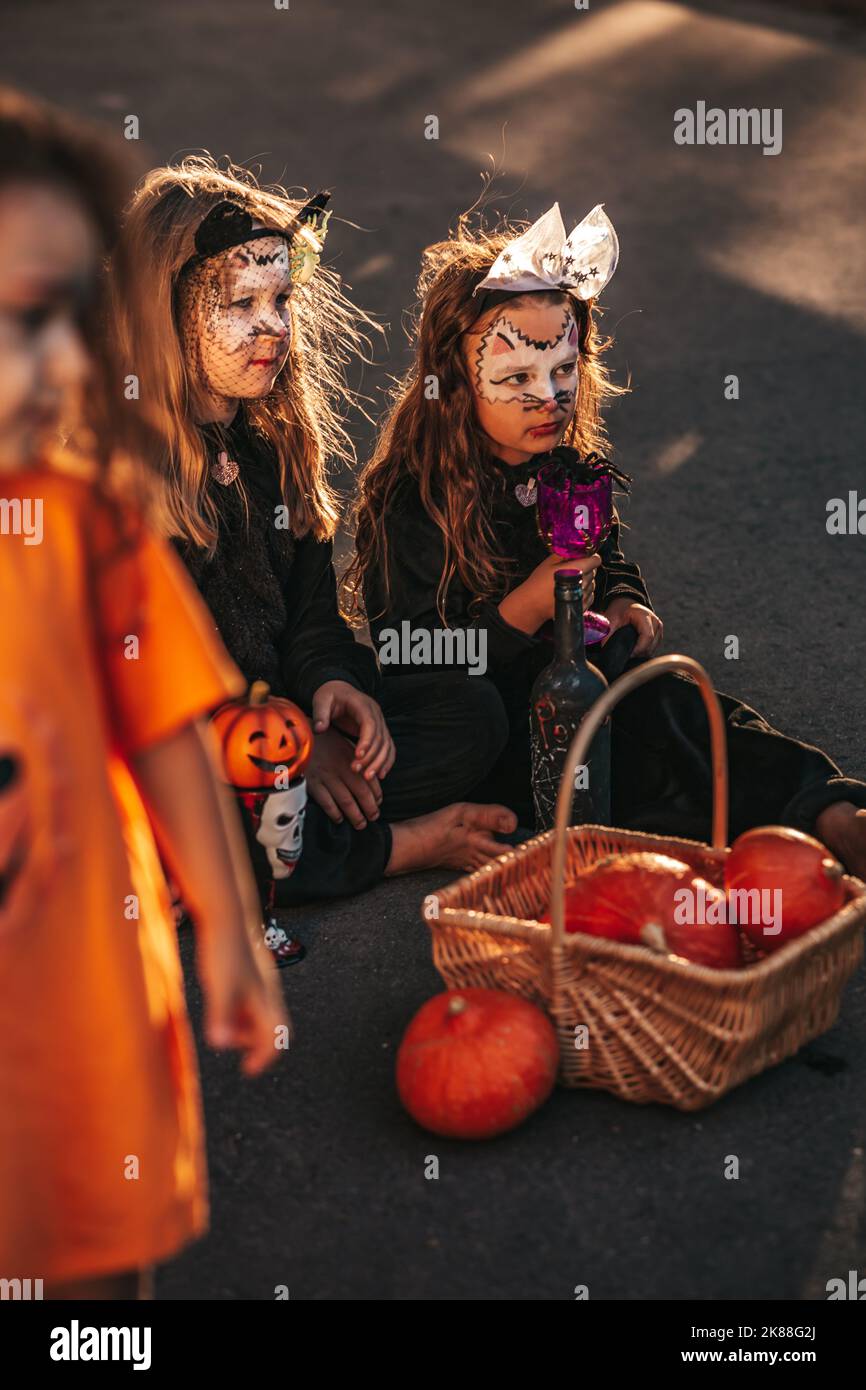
579, 748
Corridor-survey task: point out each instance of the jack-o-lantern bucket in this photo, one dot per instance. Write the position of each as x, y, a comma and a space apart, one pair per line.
264, 744
264, 741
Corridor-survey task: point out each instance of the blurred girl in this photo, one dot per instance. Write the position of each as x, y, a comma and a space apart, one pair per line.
248, 339
447, 534
108, 666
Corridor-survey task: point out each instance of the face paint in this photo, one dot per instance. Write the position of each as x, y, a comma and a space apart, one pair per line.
512, 367
237, 319
524, 374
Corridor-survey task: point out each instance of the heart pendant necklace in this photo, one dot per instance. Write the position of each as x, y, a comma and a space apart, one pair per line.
225, 470
526, 493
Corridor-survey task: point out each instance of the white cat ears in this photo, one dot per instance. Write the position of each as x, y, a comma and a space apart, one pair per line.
544, 258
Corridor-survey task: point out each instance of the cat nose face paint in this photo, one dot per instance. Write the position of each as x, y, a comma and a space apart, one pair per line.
523, 368
237, 329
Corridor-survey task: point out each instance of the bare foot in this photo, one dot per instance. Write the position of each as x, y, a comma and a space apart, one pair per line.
457, 837
842, 828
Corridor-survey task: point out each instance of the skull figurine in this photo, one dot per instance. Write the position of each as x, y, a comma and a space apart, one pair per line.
281, 827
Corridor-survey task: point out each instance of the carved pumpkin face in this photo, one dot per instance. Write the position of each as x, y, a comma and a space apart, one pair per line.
264, 741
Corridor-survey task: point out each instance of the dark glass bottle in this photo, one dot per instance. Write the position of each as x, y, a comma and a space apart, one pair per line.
561, 696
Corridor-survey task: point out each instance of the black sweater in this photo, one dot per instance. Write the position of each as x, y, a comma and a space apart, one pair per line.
274, 598
417, 559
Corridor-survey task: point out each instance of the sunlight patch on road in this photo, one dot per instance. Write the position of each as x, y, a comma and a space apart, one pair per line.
591, 38
586, 40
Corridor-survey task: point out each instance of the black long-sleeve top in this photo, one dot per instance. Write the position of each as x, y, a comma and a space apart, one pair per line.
274, 598
417, 560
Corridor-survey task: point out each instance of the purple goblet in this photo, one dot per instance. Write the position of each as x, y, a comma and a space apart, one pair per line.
575, 512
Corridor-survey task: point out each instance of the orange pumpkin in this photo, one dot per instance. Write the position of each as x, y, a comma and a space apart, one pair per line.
617, 895
635, 898
476, 1062
264, 741
776, 859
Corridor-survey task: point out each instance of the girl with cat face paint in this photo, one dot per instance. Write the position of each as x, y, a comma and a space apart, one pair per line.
524, 365
447, 535
248, 386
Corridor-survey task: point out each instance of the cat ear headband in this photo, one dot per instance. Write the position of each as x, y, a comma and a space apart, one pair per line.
544, 258
228, 224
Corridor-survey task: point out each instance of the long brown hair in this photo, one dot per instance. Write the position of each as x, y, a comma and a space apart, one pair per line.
300, 417
437, 440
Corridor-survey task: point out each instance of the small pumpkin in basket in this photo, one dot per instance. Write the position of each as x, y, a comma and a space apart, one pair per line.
653, 900
474, 1063
788, 869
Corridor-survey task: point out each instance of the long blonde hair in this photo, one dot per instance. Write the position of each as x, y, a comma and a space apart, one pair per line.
300, 417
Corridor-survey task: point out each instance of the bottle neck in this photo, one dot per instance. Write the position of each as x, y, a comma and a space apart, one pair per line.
568, 639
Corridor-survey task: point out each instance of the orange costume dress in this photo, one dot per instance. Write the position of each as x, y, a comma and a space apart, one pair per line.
105, 650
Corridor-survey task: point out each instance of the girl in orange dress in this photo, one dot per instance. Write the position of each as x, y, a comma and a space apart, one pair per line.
109, 664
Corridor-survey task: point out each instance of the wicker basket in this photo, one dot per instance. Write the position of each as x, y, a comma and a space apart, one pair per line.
647, 1027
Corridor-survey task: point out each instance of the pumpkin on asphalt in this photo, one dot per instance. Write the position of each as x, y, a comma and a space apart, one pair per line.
474, 1063
264, 741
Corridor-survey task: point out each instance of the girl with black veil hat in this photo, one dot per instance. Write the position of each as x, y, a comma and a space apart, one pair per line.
248, 386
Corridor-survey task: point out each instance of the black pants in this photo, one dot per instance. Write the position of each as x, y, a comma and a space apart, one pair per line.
466, 738
661, 768
448, 730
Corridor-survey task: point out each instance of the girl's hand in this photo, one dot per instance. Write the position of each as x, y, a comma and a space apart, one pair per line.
199, 833
340, 704
650, 629
336, 787
531, 603
244, 1007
